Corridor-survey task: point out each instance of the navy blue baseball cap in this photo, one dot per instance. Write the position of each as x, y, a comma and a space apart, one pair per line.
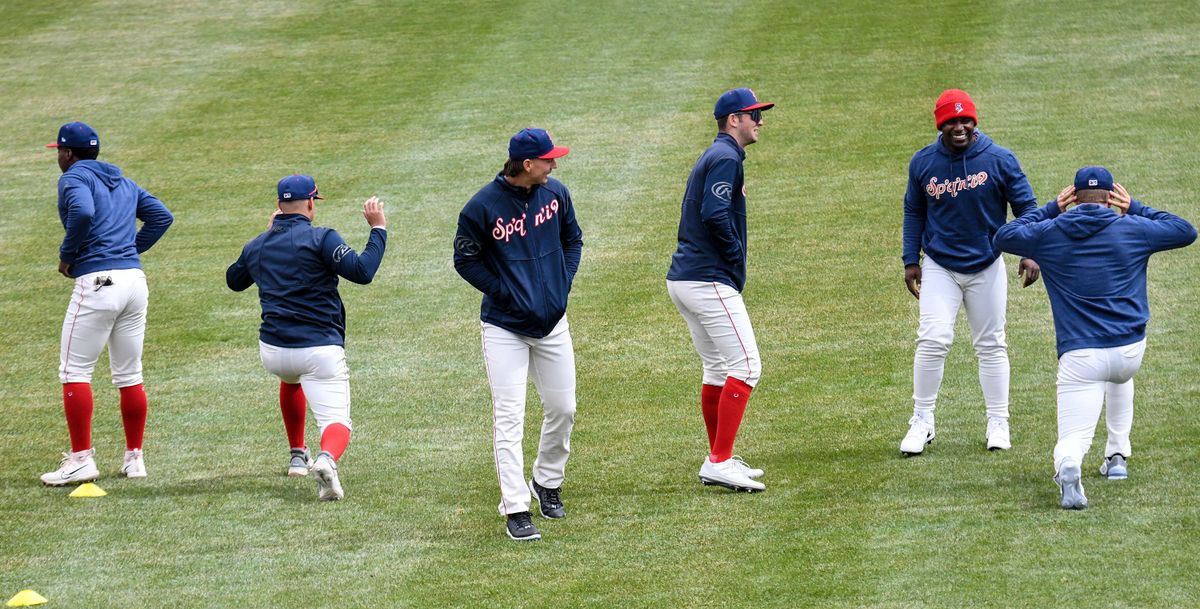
76, 135
739, 100
1093, 178
297, 188
532, 143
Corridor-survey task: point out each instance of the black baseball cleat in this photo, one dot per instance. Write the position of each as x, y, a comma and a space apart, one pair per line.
520, 527
549, 502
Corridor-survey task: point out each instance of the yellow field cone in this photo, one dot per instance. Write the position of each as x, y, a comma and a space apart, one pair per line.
88, 490
26, 598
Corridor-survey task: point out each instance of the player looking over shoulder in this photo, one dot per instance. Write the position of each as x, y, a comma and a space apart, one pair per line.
303, 333
1094, 258
101, 252
959, 188
705, 281
519, 244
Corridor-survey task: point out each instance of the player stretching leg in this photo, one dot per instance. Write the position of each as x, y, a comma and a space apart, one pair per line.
957, 190
1094, 258
519, 244
303, 333
707, 274
101, 251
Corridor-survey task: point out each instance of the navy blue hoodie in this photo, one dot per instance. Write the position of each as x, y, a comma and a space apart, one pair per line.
521, 248
712, 222
955, 203
1094, 264
296, 266
99, 208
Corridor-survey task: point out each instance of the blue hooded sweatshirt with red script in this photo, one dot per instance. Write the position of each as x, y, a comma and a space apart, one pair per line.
955, 203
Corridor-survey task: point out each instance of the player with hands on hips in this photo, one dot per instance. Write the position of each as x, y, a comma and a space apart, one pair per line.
303, 333
519, 244
101, 251
706, 279
959, 189
1094, 259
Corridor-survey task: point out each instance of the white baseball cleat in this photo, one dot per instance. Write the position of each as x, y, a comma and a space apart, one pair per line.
752, 472
324, 469
74, 468
920, 433
729, 474
997, 434
300, 462
1070, 486
134, 465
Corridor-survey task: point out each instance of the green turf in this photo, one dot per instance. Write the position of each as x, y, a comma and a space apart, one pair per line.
207, 104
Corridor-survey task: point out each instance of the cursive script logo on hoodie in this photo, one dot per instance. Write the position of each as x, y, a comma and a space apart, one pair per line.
936, 189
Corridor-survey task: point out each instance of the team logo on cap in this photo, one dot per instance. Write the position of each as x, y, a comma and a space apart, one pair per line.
957, 107
287, 195
1093, 182
92, 142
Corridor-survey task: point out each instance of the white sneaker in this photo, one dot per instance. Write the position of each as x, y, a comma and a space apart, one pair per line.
74, 468
997, 434
730, 475
1070, 485
300, 462
920, 433
324, 469
134, 465
752, 472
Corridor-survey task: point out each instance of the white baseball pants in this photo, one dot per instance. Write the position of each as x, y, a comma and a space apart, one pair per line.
985, 295
321, 372
721, 332
1087, 380
106, 308
511, 359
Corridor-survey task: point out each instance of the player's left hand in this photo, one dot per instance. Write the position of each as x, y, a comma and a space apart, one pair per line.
1030, 270
271, 220
64, 269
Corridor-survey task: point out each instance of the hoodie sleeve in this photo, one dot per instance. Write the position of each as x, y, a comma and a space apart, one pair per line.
715, 208
571, 235
155, 217
1166, 231
1022, 236
343, 260
469, 258
237, 276
77, 208
915, 208
1016, 187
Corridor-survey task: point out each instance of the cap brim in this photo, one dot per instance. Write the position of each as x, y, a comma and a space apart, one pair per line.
52, 145
555, 152
758, 106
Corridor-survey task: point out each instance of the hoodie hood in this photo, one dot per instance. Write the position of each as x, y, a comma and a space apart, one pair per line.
979, 146
1085, 220
107, 173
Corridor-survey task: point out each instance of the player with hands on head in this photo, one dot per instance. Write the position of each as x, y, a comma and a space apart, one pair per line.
706, 279
101, 251
302, 337
959, 190
1094, 258
519, 244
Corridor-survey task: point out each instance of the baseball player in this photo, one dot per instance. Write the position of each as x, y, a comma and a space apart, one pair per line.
705, 281
303, 333
957, 190
1095, 259
101, 251
519, 244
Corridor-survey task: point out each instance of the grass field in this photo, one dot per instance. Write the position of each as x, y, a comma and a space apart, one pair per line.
207, 104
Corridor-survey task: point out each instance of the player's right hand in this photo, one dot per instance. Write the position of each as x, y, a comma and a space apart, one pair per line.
912, 279
373, 212
1067, 198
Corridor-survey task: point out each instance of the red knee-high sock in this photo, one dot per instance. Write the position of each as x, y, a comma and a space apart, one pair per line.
133, 415
729, 417
291, 404
77, 404
334, 440
710, 398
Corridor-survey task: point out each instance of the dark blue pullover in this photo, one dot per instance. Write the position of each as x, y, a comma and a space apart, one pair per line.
99, 208
296, 266
712, 221
521, 248
955, 203
1094, 264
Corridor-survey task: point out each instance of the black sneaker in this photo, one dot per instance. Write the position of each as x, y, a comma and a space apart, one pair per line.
549, 503
520, 527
